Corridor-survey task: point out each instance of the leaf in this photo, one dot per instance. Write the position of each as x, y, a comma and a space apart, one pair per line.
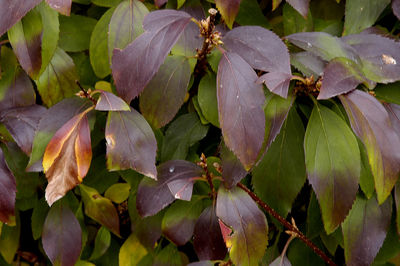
15, 11
106, 3
118, 192
341, 75
396, 8
164, 95
130, 143
308, 63
250, 43
160, 3
10, 240
207, 98
75, 32
228, 10
367, 220
281, 261
67, 157
183, 133
39, 215
360, 15
153, 196
300, 5
202, 263
58, 79
232, 169
294, 22
179, 220
100, 209
8, 190
110, 102
250, 229
62, 6
62, 236
332, 163
101, 243
371, 123
397, 202
281, 173
240, 102
388, 92
207, 240
131, 252
162, 30
300, 254
250, 13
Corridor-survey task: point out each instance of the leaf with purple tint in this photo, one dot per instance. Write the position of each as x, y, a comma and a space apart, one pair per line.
62, 6
15, 10
164, 95
281, 261
179, 220
160, 3
62, 236
131, 143
147, 52
396, 8
394, 114
228, 9
207, 239
341, 75
250, 43
232, 169
371, 123
8, 190
110, 102
308, 63
250, 229
380, 56
397, 202
300, 5
364, 230
333, 164
153, 196
240, 108
22, 122
202, 263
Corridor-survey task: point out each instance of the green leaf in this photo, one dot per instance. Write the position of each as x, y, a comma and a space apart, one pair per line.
388, 92
118, 193
228, 10
85, 71
333, 164
168, 256
314, 219
38, 217
250, 13
131, 252
101, 243
294, 22
207, 98
366, 177
75, 32
299, 254
99, 177
390, 247
106, 3
9, 240
281, 173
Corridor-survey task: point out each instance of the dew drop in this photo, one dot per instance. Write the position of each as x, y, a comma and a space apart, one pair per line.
177, 196
388, 60
237, 96
171, 169
309, 45
220, 86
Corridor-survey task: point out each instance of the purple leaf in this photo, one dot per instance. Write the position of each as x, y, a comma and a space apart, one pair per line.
396, 8
371, 123
308, 63
397, 201
110, 102
153, 196
164, 95
22, 122
264, 50
341, 75
250, 229
160, 3
300, 5
131, 143
240, 108
8, 190
147, 52
207, 240
62, 6
394, 114
202, 263
364, 230
15, 10
62, 236
232, 169
228, 9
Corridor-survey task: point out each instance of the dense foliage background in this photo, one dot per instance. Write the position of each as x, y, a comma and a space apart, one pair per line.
230, 132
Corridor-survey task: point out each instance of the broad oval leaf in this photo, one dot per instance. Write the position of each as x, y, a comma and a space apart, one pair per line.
62, 6
147, 52
110, 102
229, 9
371, 123
300, 5
207, 97
118, 192
164, 95
131, 252
8, 190
240, 108
62, 236
67, 157
131, 143
333, 164
101, 243
364, 230
250, 229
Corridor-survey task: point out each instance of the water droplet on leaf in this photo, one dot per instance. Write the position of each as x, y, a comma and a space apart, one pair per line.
171, 169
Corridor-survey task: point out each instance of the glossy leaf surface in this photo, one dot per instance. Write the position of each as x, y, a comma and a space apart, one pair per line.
8, 190
228, 10
110, 102
240, 102
62, 6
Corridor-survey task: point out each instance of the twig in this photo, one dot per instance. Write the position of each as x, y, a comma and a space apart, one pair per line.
85, 94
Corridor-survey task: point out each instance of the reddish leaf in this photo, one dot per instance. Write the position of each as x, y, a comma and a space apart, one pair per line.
153, 196
131, 143
264, 50
62, 236
232, 169
371, 123
147, 52
110, 102
300, 5
8, 190
364, 230
229, 9
160, 3
15, 10
62, 6
67, 157
22, 122
396, 8
240, 108
207, 240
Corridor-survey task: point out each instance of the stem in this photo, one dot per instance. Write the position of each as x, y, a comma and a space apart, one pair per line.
289, 226
85, 93
303, 80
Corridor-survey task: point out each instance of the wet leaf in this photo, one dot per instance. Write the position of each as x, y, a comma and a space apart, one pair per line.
62, 236
101, 243
118, 192
250, 229
366, 221
147, 52
62, 6
75, 32
332, 163
108, 101
131, 252
371, 123
240, 102
232, 169
300, 5
131, 143
8, 190
228, 10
